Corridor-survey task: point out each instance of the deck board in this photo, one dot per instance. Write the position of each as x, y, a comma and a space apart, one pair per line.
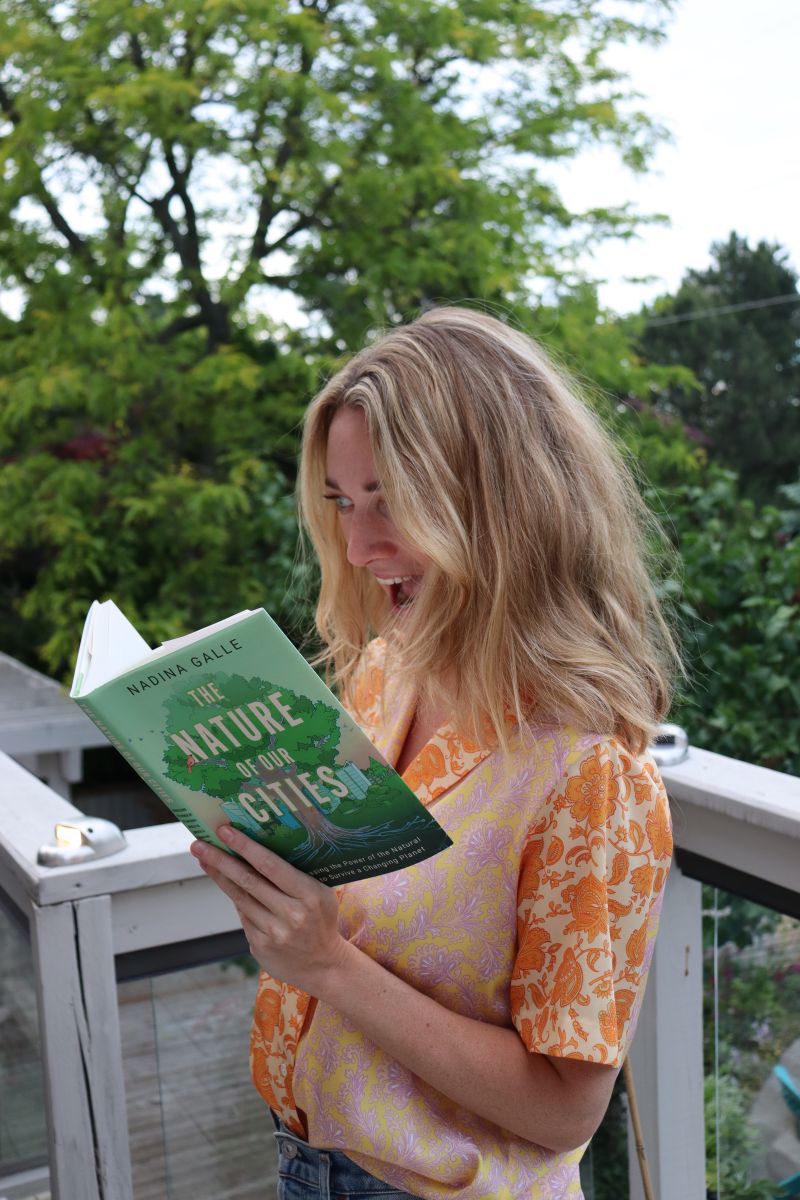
196, 1125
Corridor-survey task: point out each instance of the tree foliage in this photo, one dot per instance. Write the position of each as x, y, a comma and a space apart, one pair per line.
738, 602
598, 351
736, 326
725, 1108
314, 724
179, 176
733, 581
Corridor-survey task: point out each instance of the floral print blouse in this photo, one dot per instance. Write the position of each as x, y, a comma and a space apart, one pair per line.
541, 915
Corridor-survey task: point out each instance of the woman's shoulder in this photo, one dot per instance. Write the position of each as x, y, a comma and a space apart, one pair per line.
573, 742
607, 785
589, 763
612, 748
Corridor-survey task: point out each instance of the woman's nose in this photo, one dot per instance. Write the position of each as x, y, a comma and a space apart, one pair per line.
366, 539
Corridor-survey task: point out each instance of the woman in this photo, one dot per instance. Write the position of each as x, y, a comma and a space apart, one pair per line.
453, 1030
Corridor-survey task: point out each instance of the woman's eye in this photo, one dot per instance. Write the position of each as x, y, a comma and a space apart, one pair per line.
341, 502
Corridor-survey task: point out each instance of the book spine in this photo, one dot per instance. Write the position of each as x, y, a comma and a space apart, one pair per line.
181, 811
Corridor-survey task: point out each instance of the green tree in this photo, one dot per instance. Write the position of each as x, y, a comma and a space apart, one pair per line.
599, 351
738, 602
317, 725
738, 1141
172, 172
736, 325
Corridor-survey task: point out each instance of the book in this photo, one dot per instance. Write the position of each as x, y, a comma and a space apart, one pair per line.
230, 724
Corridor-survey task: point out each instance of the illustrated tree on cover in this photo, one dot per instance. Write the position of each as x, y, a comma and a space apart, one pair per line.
175, 171
217, 775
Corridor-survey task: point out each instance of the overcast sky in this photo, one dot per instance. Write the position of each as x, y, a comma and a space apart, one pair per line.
727, 85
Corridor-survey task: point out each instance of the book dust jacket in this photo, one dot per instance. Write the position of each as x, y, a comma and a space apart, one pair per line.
236, 727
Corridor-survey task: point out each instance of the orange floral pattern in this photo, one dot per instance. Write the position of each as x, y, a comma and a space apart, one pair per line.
592, 792
597, 906
278, 1018
541, 915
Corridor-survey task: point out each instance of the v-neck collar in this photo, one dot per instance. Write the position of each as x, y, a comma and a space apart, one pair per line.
444, 760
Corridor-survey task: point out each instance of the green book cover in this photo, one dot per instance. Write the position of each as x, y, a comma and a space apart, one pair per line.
233, 725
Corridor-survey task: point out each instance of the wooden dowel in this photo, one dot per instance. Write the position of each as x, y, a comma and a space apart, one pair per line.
630, 1088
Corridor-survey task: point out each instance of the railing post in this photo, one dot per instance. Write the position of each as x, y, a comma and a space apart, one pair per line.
81, 1051
667, 1052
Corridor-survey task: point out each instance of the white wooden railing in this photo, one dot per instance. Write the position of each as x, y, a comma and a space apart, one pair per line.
734, 823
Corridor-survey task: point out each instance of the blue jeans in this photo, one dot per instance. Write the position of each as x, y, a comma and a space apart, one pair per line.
308, 1174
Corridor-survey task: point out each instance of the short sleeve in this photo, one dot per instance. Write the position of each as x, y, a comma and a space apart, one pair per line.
590, 890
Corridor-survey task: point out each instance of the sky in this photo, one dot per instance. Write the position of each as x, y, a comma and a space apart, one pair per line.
727, 85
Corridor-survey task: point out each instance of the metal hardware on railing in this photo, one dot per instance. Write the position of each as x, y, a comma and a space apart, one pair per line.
670, 746
81, 840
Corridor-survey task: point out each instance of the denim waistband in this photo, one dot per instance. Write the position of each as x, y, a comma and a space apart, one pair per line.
305, 1173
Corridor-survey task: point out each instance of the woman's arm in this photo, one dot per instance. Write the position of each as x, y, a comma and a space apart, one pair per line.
290, 921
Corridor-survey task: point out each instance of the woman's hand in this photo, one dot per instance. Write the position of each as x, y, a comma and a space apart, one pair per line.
289, 919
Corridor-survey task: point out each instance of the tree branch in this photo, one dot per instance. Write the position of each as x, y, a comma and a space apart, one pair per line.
159, 206
8, 107
423, 79
179, 188
180, 325
75, 242
281, 281
250, 273
265, 71
292, 139
187, 245
106, 156
305, 220
137, 55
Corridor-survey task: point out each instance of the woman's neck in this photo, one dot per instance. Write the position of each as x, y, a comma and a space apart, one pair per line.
424, 724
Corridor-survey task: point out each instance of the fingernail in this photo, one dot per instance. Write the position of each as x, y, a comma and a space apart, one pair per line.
198, 849
226, 833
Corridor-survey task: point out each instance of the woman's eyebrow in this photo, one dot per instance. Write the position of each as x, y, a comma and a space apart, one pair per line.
368, 487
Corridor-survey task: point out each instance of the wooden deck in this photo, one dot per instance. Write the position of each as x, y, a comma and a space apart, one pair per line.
197, 1127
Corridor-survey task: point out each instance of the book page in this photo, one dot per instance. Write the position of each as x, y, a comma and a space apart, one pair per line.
110, 645
188, 638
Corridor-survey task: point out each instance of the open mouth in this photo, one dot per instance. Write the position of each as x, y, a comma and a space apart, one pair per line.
402, 589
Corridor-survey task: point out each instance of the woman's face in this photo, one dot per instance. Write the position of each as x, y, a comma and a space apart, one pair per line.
373, 541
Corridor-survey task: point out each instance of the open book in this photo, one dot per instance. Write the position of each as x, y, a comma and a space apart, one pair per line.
231, 725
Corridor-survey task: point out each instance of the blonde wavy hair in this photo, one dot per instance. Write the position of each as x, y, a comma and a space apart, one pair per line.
539, 603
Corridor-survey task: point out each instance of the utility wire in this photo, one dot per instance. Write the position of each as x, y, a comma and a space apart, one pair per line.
791, 298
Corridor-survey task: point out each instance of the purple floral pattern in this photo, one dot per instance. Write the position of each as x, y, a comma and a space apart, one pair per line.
547, 881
